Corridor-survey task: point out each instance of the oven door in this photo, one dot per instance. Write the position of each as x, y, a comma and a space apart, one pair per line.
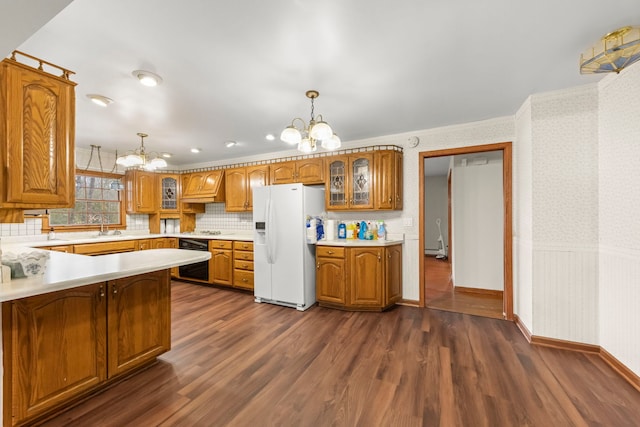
199, 271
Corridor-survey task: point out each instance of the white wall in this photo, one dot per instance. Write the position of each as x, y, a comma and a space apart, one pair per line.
436, 205
619, 216
564, 128
478, 226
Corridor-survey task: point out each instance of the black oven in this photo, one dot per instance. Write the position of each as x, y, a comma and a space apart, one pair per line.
198, 270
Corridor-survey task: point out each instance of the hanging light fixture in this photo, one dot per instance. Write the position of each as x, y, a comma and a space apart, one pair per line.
613, 52
307, 136
140, 158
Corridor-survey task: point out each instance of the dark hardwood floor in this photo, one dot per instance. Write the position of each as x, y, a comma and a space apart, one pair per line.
440, 293
238, 363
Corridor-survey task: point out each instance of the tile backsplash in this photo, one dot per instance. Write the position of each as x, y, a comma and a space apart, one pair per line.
30, 227
215, 218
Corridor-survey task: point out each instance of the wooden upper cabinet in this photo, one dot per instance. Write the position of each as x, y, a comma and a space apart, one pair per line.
305, 171
350, 182
240, 183
37, 116
169, 193
388, 184
204, 187
141, 191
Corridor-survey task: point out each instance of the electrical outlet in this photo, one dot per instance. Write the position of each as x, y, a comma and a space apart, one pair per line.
407, 222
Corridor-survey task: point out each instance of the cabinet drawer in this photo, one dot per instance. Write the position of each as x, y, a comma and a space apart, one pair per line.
243, 255
239, 264
330, 251
243, 246
105, 247
220, 244
243, 279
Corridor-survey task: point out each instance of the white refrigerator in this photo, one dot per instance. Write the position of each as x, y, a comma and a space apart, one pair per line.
284, 263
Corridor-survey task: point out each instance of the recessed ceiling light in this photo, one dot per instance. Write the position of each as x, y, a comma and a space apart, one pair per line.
195, 150
230, 144
100, 100
270, 137
166, 155
147, 78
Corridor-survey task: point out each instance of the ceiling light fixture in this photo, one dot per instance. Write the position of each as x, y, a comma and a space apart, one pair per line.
230, 144
308, 135
613, 52
147, 78
166, 155
195, 150
100, 100
270, 137
140, 158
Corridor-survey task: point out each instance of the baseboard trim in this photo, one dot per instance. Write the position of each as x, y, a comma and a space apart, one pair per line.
478, 291
620, 368
564, 344
409, 303
523, 328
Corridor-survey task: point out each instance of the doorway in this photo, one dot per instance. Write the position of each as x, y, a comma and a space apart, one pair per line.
440, 267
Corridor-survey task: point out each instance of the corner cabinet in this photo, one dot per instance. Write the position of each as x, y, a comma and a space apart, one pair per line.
63, 345
240, 183
37, 128
359, 278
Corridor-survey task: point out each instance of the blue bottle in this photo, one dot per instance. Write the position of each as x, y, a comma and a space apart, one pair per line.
342, 231
363, 230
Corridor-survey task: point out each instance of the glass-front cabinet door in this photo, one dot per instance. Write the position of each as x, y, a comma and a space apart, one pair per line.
169, 188
350, 182
361, 174
337, 183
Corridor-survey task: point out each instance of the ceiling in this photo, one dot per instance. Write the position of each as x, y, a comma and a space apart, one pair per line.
237, 70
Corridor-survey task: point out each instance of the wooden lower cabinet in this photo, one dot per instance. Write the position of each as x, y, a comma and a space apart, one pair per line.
243, 265
359, 278
221, 262
139, 316
63, 345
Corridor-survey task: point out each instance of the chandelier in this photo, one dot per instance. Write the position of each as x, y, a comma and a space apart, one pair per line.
140, 158
308, 135
613, 52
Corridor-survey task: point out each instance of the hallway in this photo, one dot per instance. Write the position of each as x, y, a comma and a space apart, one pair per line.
440, 294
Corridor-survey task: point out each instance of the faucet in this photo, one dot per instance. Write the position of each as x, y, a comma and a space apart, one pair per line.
102, 231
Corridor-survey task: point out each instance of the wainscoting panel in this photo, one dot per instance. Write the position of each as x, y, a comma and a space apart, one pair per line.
619, 305
565, 293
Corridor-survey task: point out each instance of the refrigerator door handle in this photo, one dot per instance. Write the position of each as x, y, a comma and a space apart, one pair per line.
271, 240
267, 231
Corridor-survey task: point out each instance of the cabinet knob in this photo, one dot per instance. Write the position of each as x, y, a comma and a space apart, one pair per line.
101, 293
115, 291
330, 252
318, 266
390, 199
245, 280
244, 266
379, 258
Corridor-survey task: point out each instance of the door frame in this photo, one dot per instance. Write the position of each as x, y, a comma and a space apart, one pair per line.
507, 176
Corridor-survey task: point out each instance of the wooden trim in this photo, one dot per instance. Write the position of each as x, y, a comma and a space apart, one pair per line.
523, 328
507, 179
564, 344
409, 303
620, 368
478, 291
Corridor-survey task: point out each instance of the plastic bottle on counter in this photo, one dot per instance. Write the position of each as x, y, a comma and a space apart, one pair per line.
362, 231
374, 230
351, 231
382, 232
342, 230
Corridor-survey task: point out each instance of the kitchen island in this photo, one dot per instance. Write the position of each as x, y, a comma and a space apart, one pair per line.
83, 324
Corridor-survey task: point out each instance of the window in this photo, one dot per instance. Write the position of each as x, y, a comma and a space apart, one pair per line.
97, 203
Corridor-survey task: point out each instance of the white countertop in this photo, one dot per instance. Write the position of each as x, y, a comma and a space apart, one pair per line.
65, 271
359, 243
75, 239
